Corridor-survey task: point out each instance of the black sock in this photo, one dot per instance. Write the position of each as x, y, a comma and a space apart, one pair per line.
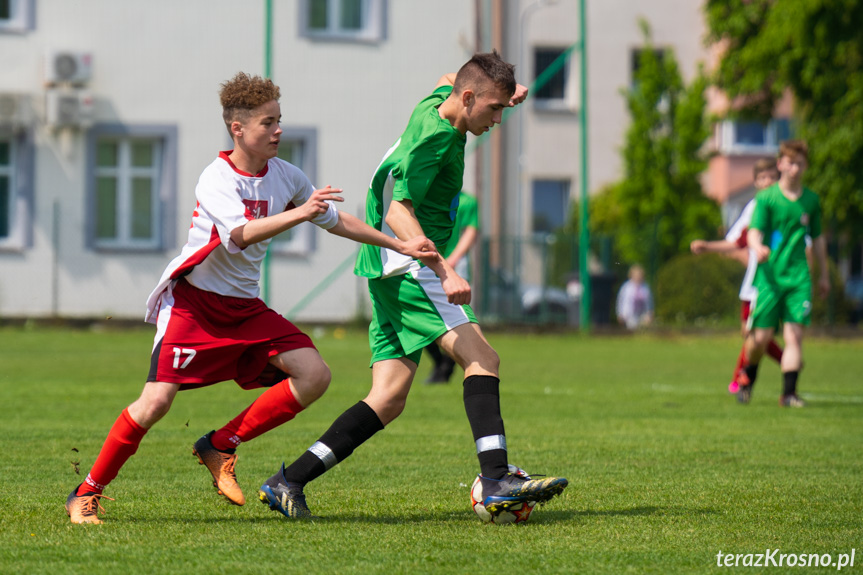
790, 379
482, 405
353, 427
751, 372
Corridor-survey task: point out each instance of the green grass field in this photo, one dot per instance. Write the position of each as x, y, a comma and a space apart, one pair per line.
665, 469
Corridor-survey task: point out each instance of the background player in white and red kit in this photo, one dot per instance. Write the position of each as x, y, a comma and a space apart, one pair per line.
211, 325
766, 174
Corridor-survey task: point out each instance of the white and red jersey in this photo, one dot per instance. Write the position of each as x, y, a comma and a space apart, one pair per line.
737, 234
226, 199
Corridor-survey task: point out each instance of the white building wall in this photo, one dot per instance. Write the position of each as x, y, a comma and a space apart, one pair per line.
675, 24
161, 63
551, 140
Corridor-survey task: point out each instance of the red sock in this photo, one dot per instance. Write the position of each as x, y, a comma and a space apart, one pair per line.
774, 351
274, 407
741, 363
122, 442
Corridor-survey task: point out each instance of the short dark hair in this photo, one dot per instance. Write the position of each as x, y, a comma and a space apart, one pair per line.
764, 165
795, 147
484, 67
242, 94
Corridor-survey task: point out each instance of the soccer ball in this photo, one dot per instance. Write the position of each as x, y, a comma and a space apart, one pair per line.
518, 513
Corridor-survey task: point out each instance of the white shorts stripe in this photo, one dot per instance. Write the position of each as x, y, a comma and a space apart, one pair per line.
753, 302
451, 314
164, 306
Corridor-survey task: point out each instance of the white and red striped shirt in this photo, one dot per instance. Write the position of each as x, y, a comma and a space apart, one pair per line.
227, 198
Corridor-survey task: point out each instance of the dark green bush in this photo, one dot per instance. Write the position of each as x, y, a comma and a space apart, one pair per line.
833, 309
691, 289
694, 288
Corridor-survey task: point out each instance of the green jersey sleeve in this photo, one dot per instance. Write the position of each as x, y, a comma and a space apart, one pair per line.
417, 170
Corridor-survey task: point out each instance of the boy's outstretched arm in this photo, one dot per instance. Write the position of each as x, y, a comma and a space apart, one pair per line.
716, 246
261, 229
352, 228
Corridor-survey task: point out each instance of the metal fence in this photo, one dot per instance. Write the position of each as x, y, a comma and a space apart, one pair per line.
535, 280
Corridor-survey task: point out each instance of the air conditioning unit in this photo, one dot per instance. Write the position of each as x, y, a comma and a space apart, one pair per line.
15, 111
69, 108
64, 66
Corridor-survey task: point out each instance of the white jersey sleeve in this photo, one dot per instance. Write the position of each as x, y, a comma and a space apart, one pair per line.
742, 224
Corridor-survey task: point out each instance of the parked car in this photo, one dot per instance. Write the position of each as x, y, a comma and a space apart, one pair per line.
507, 299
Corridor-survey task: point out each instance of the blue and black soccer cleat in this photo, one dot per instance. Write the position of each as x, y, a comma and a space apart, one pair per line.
286, 498
501, 494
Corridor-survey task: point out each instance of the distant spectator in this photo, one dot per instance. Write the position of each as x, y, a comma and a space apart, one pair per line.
634, 300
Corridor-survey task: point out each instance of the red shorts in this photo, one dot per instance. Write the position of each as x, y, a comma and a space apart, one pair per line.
203, 338
745, 307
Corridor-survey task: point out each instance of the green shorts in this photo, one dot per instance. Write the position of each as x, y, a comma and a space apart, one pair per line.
409, 312
773, 304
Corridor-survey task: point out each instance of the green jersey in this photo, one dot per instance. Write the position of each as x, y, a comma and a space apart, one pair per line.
785, 225
426, 167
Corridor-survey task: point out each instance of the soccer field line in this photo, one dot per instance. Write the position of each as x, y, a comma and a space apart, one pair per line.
833, 397
816, 397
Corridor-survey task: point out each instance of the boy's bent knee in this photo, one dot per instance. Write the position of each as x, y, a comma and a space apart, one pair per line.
313, 383
387, 408
146, 411
487, 362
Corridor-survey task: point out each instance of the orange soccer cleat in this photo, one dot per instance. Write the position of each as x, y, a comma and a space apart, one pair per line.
221, 467
84, 508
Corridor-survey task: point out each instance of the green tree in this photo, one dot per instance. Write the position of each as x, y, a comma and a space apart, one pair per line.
814, 48
659, 206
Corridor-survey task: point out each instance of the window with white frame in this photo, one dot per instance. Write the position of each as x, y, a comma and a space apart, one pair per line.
748, 136
131, 174
550, 205
551, 67
356, 20
298, 146
16, 190
16, 15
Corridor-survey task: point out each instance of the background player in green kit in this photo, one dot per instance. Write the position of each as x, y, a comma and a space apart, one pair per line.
784, 214
415, 303
464, 235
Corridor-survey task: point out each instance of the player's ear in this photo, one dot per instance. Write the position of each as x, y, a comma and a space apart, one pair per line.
236, 129
467, 97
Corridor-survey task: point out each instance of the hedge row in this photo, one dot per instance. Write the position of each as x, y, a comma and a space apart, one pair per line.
694, 289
